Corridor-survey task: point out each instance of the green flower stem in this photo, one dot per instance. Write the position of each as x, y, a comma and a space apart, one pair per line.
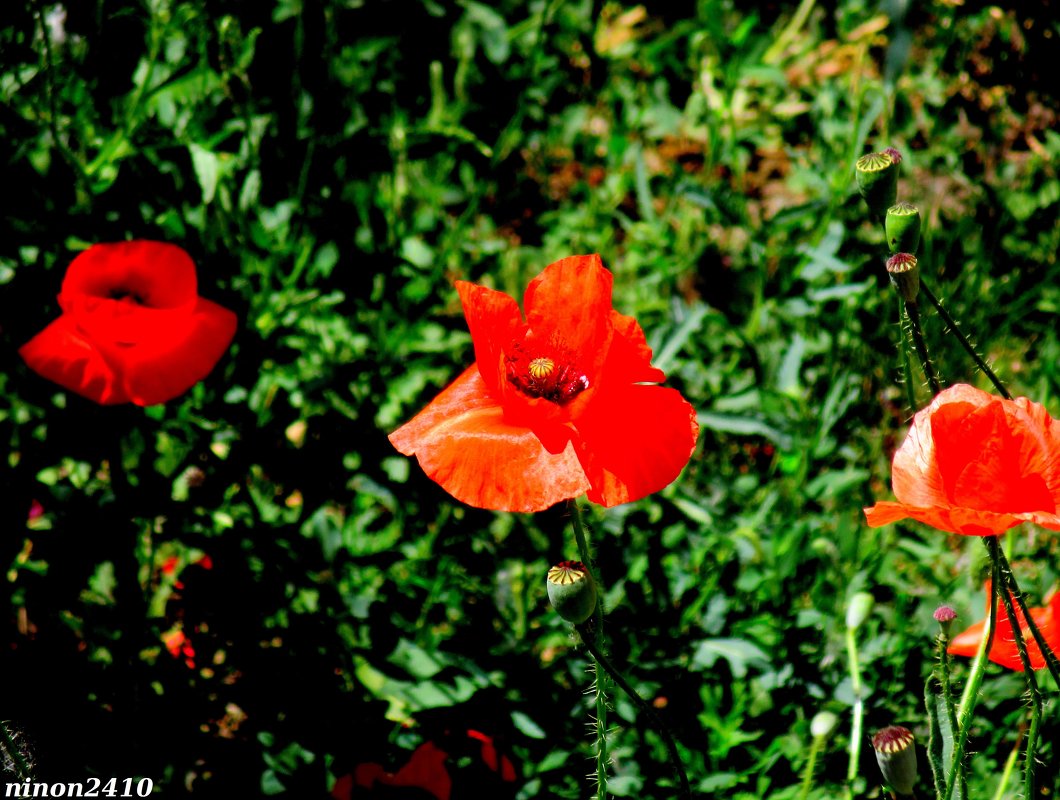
641, 703
10, 748
595, 634
1010, 767
970, 697
1008, 578
907, 368
951, 324
935, 739
811, 765
912, 311
947, 695
859, 710
1032, 684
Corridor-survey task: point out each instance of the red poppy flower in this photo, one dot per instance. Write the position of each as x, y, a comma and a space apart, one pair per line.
976, 464
555, 406
425, 770
503, 766
1003, 650
133, 327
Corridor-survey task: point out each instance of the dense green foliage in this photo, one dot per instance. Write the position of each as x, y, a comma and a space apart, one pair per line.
333, 166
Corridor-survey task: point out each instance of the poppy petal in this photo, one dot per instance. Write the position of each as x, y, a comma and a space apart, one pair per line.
570, 303
157, 274
62, 354
176, 360
629, 358
627, 462
464, 444
976, 464
494, 321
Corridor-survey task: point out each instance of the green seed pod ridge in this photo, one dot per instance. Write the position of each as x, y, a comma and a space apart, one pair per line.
902, 226
571, 591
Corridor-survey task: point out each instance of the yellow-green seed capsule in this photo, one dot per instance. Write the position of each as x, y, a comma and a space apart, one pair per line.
896, 755
903, 228
904, 275
571, 591
877, 178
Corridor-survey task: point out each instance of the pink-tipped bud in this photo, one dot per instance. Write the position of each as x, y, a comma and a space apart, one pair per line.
944, 616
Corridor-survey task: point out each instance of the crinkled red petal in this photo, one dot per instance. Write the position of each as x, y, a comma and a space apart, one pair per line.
570, 303
495, 322
168, 364
158, 274
464, 444
63, 355
634, 440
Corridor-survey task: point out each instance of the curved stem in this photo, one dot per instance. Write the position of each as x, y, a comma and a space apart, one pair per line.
971, 691
641, 703
596, 634
913, 312
947, 697
994, 548
951, 324
859, 710
935, 739
1008, 578
9, 747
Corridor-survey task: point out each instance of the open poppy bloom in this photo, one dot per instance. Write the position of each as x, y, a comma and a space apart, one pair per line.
133, 327
976, 464
425, 770
1003, 649
555, 406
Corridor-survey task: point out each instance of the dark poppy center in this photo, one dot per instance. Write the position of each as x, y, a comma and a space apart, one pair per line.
123, 296
550, 375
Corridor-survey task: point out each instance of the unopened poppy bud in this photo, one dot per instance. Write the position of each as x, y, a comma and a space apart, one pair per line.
904, 275
877, 177
822, 724
859, 609
944, 616
571, 591
896, 755
902, 226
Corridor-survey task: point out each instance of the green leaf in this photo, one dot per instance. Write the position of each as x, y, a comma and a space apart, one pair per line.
740, 654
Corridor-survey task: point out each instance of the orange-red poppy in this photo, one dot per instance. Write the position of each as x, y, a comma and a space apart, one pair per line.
976, 464
1003, 649
133, 327
555, 406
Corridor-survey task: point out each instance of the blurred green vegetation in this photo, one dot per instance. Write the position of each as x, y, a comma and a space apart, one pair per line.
332, 166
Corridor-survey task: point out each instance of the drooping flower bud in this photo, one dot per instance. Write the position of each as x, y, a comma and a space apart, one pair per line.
896, 755
859, 609
902, 226
877, 177
572, 591
904, 275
